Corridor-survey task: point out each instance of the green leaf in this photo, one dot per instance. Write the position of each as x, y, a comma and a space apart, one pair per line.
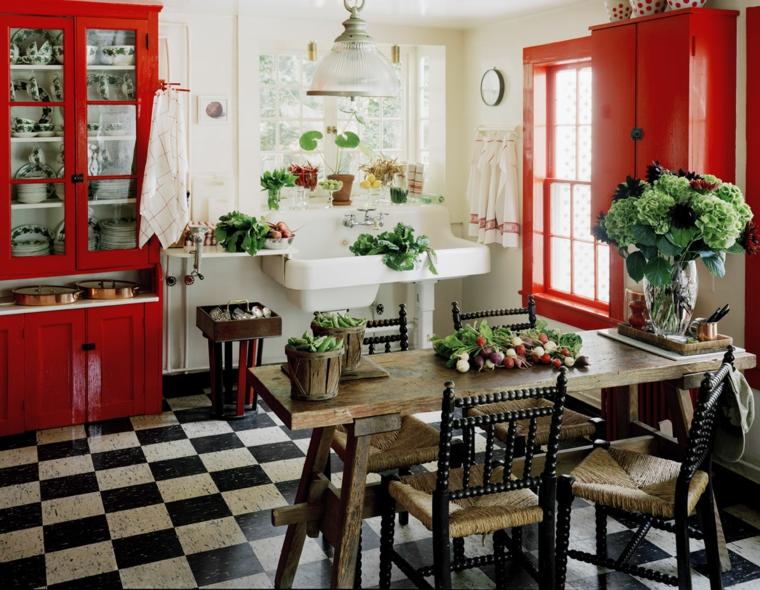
682, 236
658, 271
667, 247
644, 235
635, 264
346, 140
716, 264
308, 140
649, 252
736, 248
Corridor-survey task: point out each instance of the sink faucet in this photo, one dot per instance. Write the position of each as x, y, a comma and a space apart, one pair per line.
375, 221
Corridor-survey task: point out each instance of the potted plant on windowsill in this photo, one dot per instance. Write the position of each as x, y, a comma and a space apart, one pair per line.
347, 140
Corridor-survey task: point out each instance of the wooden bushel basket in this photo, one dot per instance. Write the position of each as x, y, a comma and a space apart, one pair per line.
314, 376
351, 338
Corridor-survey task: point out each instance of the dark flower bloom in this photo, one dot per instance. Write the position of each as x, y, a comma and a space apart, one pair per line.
702, 186
682, 216
750, 239
599, 231
632, 187
655, 170
688, 174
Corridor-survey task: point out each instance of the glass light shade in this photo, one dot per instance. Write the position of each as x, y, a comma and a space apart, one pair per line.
354, 69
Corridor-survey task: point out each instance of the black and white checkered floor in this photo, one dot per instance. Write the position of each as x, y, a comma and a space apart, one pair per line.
180, 501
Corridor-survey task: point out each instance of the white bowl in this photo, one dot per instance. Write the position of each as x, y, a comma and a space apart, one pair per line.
118, 55
281, 244
92, 53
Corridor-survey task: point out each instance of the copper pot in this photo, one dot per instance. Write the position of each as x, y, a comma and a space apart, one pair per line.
46, 295
342, 197
108, 289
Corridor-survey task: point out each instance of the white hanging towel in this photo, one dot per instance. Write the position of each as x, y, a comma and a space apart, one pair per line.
163, 205
492, 193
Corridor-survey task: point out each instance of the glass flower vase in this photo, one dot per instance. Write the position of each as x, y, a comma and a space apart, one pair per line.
671, 306
273, 199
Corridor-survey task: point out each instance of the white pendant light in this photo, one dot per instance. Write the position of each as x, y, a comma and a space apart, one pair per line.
354, 66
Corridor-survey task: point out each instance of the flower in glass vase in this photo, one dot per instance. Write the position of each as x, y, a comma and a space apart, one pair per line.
273, 181
664, 225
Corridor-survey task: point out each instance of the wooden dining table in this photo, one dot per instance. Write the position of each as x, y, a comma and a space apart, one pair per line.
415, 384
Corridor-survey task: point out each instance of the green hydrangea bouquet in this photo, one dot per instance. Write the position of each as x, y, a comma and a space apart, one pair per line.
663, 225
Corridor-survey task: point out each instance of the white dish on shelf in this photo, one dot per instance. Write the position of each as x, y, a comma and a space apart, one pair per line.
23, 134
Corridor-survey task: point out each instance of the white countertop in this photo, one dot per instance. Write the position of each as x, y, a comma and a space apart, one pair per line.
8, 307
219, 252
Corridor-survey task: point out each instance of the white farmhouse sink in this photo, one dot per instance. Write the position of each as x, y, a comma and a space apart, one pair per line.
324, 275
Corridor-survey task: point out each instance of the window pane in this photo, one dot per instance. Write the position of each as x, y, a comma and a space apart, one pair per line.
307, 71
584, 96
560, 209
370, 134
560, 279
392, 135
287, 70
289, 135
583, 269
584, 152
289, 104
267, 101
538, 258
565, 97
313, 108
268, 140
392, 107
424, 103
603, 272
266, 69
582, 212
564, 152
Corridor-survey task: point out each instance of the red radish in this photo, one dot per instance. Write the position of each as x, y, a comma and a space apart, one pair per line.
481, 341
509, 362
546, 359
543, 338
275, 235
564, 351
286, 233
520, 350
557, 363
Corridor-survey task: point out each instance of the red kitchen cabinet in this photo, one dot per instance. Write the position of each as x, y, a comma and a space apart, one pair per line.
115, 361
55, 368
664, 89
11, 374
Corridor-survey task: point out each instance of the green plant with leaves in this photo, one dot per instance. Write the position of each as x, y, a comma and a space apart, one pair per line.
273, 181
310, 343
348, 140
400, 248
338, 320
238, 232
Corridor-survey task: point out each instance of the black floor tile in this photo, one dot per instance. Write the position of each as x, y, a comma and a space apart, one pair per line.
72, 485
608, 581
74, 533
137, 496
20, 517
197, 509
645, 552
735, 529
218, 442
107, 581
118, 458
297, 434
288, 490
194, 415
250, 421
151, 436
240, 477
109, 427
276, 452
59, 450
23, 573
146, 548
742, 570
317, 574
258, 525
228, 563
171, 468
18, 441
19, 474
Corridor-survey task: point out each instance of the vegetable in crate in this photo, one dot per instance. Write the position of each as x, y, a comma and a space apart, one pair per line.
311, 343
273, 181
238, 232
338, 320
400, 248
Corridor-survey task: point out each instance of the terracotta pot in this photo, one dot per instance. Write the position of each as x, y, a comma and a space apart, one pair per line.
647, 7
618, 9
342, 197
352, 339
677, 4
314, 376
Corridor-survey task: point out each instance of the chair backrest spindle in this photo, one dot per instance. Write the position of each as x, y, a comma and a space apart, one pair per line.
459, 316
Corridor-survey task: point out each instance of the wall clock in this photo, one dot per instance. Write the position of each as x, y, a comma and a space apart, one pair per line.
492, 87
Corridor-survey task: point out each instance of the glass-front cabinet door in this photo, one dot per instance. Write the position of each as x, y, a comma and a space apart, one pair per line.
112, 109
37, 201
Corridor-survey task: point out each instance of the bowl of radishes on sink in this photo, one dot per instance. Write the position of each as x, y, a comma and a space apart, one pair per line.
280, 236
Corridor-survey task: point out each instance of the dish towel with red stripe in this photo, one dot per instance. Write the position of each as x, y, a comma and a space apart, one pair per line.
163, 205
492, 192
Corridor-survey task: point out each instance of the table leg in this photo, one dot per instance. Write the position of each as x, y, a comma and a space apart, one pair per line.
352, 503
250, 393
314, 464
215, 365
229, 376
242, 372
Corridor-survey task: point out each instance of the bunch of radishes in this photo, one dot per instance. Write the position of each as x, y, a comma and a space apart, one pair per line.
279, 230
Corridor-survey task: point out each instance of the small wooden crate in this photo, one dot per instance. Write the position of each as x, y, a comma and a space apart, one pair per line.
314, 376
684, 348
352, 339
235, 330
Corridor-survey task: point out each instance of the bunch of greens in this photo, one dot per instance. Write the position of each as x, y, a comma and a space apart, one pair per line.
311, 343
673, 218
400, 248
337, 320
273, 182
238, 232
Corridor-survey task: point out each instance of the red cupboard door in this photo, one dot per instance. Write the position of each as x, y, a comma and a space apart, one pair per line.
55, 369
11, 374
116, 364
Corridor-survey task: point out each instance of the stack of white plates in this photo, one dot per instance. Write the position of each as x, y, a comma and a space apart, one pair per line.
30, 248
118, 234
31, 193
109, 190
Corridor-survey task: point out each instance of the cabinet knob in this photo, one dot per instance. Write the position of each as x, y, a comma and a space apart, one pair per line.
637, 133
77, 178
88, 346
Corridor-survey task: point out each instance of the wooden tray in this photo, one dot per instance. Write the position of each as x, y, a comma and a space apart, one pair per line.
234, 330
366, 369
684, 348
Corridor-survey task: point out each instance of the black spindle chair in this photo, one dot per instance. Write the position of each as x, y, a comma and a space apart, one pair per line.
385, 337
483, 496
460, 316
652, 491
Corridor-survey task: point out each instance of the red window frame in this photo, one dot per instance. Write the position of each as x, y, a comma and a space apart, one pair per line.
539, 62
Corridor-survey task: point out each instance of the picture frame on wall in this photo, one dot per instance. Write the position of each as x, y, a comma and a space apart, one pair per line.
213, 110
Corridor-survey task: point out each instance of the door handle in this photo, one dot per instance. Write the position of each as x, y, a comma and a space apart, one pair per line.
77, 178
88, 346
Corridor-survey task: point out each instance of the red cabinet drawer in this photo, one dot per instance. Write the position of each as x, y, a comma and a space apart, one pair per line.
11, 374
